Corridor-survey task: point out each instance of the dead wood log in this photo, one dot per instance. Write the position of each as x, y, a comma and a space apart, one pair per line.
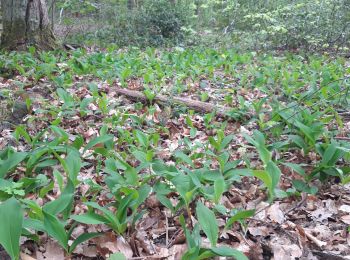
196, 105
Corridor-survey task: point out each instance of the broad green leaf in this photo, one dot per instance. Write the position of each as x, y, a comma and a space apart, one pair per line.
141, 138
304, 187
299, 142
98, 140
274, 172
329, 153
90, 218
226, 141
46, 189
62, 202
33, 224
125, 204
131, 176
307, 131
183, 184
193, 239
59, 132
21, 131
117, 256
56, 229
78, 142
208, 222
265, 177
143, 191
82, 238
165, 201
59, 178
12, 161
296, 167
227, 251
183, 157
259, 143
219, 189
73, 162
11, 221
241, 215
112, 220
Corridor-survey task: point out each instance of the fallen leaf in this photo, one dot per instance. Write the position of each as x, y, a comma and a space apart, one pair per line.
346, 219
345, 208
26, 257
53, 251
276, 214
259, 231
286, 252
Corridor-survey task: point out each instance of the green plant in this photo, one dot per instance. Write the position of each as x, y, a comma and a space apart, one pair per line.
117, 221
209, 225
330, 154
271, 173
161, 20
11, 219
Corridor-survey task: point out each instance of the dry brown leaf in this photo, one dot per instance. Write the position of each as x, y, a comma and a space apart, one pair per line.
86, 250
286, 252
26, 257
321, 214
275, 213
110, 244
259, 231
177, 251
312, 238
345, 208
53, 251
346, 219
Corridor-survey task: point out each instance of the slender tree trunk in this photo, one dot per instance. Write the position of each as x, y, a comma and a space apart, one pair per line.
26, 23
131, 4
0, 21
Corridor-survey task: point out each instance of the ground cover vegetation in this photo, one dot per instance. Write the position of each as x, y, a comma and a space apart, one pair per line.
91, 165
175, 130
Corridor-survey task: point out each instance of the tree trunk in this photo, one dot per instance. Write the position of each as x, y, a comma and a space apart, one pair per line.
131, 4
26, 23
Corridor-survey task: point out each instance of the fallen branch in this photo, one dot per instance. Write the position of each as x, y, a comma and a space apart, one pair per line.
196, 105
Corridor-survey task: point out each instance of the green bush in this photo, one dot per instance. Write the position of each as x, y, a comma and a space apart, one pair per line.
160, 21
247, 24
307, 24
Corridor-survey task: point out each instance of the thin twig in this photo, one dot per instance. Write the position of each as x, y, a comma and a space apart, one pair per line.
148, 257
295, 207
166, 230
342, 138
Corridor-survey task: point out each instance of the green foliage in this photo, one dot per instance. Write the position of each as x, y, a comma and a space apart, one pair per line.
11, 219
247, 24
162, 20
208, 223
302, 97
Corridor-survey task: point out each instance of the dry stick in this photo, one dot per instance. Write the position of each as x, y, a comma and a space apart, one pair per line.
149, 257
167, 230
196, 105
342, 138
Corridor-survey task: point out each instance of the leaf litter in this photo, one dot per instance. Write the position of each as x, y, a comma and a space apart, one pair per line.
310, 227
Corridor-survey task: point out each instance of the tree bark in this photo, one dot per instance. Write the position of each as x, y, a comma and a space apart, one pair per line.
131, 4
26, 23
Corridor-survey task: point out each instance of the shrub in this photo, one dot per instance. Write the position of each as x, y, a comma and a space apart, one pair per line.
162, 20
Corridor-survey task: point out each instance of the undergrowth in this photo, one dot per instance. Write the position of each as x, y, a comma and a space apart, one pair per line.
288, 122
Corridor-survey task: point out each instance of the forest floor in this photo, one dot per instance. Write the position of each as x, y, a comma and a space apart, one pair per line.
268, 177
